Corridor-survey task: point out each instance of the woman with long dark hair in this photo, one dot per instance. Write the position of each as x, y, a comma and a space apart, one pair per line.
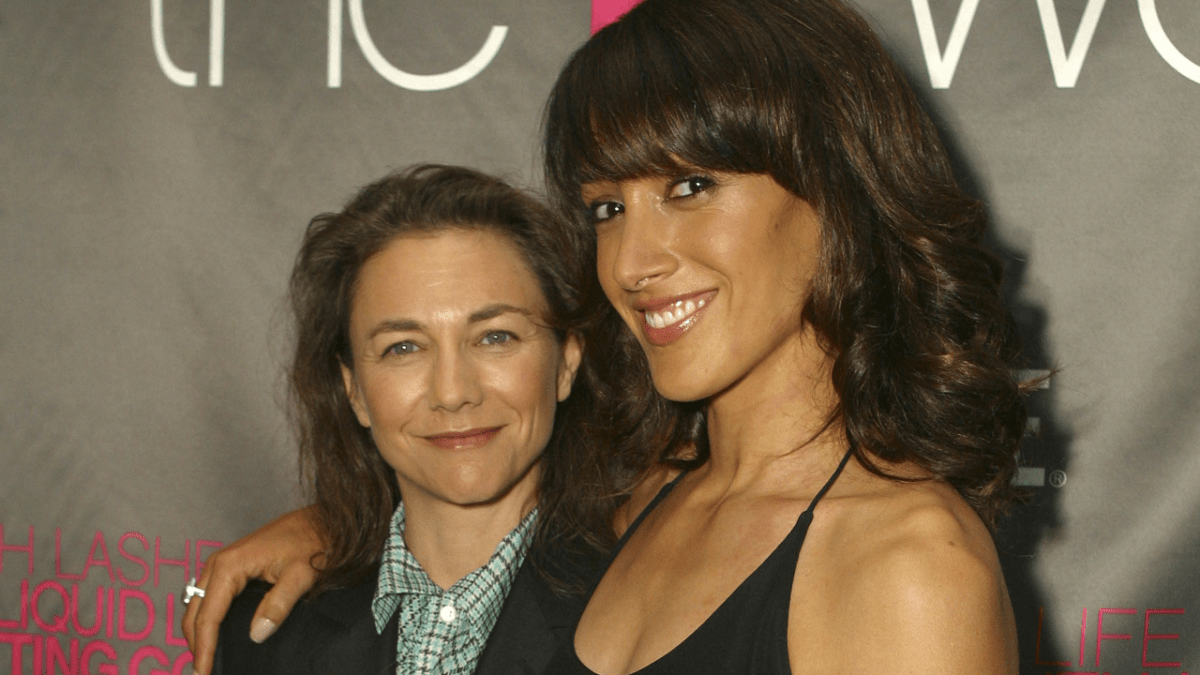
777, 223
821, 404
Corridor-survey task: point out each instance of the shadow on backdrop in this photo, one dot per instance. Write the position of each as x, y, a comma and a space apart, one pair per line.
1044, 454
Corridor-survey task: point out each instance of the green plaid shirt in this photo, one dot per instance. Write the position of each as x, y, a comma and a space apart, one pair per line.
443, 632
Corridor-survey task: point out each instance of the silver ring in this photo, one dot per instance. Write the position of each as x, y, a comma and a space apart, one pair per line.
191, 591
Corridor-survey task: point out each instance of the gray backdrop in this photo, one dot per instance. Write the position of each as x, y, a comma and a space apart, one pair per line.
160, 160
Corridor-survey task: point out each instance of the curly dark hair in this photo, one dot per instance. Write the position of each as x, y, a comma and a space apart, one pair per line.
906, 300
353, 490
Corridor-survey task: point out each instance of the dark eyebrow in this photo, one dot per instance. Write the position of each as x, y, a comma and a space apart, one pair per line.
493, 311
395, 326
595, 186
483, 314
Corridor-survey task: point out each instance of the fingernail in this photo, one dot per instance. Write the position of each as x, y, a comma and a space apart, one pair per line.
261, 629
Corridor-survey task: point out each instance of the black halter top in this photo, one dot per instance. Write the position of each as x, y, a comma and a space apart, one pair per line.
747, 634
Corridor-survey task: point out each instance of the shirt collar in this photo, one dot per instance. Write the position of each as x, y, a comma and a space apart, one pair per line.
480, 594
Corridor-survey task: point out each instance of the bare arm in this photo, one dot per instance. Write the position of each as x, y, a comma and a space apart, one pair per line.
280, 552
947, 613
923, 595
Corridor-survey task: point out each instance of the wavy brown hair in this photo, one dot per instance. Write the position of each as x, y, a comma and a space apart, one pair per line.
906, 301
353, 491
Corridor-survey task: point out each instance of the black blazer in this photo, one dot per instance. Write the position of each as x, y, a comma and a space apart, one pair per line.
335, 634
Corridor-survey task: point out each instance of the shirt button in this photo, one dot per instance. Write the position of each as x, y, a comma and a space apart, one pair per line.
448, 614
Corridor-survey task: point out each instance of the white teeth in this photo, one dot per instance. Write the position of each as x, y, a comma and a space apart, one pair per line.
670, 317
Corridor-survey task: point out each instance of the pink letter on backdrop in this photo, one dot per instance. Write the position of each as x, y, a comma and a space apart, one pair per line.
605, 12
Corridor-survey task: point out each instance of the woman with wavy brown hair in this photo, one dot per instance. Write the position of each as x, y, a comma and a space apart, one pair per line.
822, 407
353, 488
443, 412
777, 223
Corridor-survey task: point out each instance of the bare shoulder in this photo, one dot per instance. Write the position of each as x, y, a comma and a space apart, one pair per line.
643, 493
909, 578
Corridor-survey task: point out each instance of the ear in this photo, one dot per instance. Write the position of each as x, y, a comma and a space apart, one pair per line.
568, 365
354, 393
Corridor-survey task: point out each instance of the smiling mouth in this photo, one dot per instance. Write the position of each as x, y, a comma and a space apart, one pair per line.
675, 313
666, 322
470, 438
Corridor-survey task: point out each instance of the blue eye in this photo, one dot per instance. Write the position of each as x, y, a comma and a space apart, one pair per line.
497, 337
603, 211
690, 186
402, 348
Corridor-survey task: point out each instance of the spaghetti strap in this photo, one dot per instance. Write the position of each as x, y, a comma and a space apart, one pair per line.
747, 634
612, 555
829, 483
662, 494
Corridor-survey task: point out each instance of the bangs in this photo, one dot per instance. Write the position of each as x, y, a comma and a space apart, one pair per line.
643, 98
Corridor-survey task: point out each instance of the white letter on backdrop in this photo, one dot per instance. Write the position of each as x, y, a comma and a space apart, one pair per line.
392, 74
216, 43
333, 70
1158, 37
180, 77
1067, 65
941, 67
216, 46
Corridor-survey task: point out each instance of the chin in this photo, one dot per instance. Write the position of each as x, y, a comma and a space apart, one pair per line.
482, 488
684, 377
678, 387
473, 494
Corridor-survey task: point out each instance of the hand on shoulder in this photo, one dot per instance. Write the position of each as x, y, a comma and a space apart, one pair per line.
280, 553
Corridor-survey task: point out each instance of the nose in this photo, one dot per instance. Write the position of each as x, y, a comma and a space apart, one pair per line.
454, 382
641, 251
